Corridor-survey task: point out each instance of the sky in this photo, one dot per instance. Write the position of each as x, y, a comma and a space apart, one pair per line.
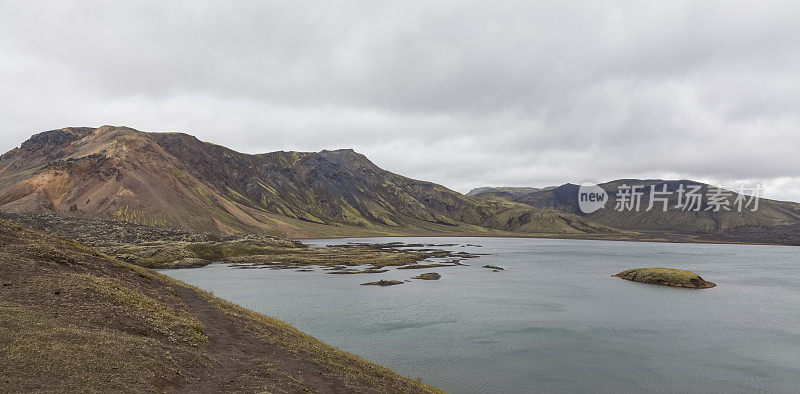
461, 93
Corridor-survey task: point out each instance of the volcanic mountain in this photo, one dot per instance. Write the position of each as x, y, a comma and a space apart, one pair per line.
175, 180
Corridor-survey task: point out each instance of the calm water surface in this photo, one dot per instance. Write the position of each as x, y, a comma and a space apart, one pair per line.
554, 321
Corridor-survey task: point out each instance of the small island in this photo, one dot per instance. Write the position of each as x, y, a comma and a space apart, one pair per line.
383, 283
428, 276
666, 276
366, 271
425, 266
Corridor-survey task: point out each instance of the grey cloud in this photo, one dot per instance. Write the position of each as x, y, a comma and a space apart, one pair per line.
460, 93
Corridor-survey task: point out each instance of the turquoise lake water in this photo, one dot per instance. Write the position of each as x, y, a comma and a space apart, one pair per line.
555, 320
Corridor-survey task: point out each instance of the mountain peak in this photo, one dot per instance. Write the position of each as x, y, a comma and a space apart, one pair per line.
104, 129
115, 131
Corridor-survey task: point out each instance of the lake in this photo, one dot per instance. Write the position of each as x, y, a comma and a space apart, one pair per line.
555, 320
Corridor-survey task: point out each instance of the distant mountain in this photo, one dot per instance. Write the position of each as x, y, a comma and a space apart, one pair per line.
564, 198
502, 191
175, 180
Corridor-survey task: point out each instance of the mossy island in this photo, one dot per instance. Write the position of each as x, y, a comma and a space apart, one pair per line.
416, 266
366, 271
667, 277
428, 276
383, 283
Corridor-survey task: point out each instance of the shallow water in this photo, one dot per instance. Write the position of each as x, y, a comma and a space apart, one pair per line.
555, 320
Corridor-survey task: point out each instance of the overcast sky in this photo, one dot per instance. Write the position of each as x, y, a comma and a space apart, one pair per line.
466, 94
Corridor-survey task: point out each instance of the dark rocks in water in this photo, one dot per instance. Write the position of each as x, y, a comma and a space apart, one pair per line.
383, 283
494, 267
428, 276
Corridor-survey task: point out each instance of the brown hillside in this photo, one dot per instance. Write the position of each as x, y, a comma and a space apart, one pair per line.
72, 320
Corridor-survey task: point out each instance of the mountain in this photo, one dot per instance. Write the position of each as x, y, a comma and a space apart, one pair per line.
772, 216
74, 320
175, 180
511, 191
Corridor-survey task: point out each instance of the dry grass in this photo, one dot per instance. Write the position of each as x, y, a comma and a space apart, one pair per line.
44, 354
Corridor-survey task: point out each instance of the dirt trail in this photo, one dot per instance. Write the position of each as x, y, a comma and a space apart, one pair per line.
240, 360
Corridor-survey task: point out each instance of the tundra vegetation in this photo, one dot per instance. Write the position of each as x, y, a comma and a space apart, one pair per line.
153, 247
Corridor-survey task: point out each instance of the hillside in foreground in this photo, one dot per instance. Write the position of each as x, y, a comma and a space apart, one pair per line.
175, 180
74, 320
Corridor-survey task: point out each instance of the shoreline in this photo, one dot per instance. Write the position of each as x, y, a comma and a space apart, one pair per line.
578, 237
669, 284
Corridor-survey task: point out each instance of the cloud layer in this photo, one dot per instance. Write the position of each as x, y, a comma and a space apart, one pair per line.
465, 94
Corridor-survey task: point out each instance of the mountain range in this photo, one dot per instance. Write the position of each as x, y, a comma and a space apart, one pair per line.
770, 222
175, 180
